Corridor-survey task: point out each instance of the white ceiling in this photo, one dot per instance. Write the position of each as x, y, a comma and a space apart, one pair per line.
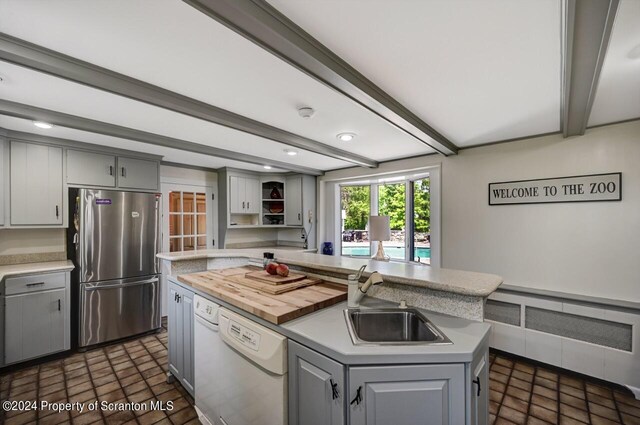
477, 71
172, 155
170, 44
618, 94
44, 91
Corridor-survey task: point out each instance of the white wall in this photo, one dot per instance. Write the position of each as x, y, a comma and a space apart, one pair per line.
583, 248
31, 241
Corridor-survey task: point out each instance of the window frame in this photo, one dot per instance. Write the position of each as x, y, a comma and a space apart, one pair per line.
407, 178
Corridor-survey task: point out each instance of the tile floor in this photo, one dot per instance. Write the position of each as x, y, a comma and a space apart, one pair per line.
523, 393
134, 372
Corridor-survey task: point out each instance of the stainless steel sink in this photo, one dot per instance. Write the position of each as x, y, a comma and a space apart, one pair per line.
392, 326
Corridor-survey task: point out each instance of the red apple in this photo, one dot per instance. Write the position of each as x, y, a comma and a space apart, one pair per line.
283, 270
272, 268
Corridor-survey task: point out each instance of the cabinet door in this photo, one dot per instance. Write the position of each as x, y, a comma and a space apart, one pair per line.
407, 395
236, 195
293, 201
480, 390
136, 173
174, 323
316, 388
93, 169
188, 367
36, 184
35, 325
3, 167
253, 196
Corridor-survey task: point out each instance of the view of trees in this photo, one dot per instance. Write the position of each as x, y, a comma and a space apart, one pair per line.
356, 201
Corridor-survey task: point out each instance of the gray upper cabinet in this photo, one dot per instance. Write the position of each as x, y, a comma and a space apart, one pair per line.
36, 184
407, 395
316, 388
134, 173
37, 316
92, 169
244, 195
293, 205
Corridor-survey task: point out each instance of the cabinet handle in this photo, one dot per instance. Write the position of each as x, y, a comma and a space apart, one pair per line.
59, 305
34, 284
298, 216
358, 398
179, 297
477, 382
124, 172
242, 204
248, 204
111, 170
57, 212
334, 389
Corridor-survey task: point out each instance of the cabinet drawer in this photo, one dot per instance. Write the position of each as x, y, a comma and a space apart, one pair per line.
33, 283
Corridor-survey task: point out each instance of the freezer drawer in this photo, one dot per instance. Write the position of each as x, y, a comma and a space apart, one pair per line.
118, 308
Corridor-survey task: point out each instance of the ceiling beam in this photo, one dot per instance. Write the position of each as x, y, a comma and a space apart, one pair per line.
33, 113
587, 31
32, 56
265, 26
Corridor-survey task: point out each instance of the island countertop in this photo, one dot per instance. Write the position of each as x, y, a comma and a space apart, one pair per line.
434, 278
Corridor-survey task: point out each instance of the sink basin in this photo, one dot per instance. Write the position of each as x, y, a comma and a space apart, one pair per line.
392, 326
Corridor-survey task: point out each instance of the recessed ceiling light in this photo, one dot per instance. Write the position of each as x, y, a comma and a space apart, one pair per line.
291, 152
267, 167
42, 124
346, 137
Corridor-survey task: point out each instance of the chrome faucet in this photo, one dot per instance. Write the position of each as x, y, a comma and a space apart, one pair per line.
357, 291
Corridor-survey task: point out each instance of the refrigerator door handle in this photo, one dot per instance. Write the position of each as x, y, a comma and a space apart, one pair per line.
95, 286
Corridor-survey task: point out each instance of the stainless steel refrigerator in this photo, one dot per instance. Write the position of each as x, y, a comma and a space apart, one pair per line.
116, 239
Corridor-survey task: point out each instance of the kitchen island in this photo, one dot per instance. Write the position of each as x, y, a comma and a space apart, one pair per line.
332, 380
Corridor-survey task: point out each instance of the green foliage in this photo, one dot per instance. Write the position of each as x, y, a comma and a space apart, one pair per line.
355, 200
391, 202
422, 206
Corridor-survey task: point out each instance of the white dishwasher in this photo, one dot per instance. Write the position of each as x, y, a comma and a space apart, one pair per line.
252, 373
206, 347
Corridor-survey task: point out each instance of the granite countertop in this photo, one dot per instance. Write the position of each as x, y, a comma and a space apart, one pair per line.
435, 278
31, 268
326, 332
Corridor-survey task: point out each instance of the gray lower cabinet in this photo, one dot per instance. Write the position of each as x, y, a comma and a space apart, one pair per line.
37, 316
479, 390
180, 329
407, 395
316, 388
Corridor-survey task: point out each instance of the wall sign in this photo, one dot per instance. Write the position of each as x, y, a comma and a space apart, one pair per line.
588, 188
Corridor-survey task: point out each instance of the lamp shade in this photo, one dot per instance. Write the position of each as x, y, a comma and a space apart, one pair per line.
379, 228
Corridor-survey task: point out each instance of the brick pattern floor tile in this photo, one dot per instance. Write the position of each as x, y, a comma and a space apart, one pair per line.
521, 393
129, 372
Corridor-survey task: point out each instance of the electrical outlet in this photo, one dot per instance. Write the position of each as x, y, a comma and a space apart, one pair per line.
310, 215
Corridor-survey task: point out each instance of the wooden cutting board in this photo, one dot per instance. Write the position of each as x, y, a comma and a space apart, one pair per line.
276, 309
263, 276
270, 287
232, 271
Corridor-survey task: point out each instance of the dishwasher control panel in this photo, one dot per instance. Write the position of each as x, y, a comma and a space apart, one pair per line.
244, 335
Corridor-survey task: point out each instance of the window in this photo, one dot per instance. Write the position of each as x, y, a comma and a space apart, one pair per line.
355, 208
407, 202
187, 221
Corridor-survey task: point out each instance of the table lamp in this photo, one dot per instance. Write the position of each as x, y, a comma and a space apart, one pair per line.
379, 230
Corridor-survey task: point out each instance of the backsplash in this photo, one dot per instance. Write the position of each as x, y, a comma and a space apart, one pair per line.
36, 257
